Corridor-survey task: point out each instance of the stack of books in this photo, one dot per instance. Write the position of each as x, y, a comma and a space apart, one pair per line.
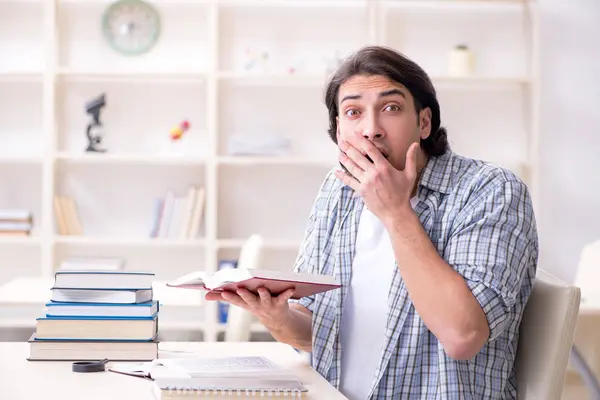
94, 315
15, 222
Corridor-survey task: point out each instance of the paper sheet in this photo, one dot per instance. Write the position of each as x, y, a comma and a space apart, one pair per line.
215, 366
202, 367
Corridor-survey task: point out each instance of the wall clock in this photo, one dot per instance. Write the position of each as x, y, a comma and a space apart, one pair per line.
131, 26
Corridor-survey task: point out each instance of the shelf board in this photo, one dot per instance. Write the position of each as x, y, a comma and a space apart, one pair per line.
21, 76
20, 240
295, 3
273, 160
478, 80
19, 160
273, 79
130, 158
19, 2
157, 2
445, 4
128, 242
270, 244
144, 76
234, 3
320, 80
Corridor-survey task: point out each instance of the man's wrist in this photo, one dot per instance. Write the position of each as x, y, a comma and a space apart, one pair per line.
401, 215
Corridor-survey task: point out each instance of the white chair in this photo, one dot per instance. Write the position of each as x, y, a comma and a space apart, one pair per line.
546, 338
239, 321
584, 355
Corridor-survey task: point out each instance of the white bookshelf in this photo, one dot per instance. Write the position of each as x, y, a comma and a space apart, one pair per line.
53, 59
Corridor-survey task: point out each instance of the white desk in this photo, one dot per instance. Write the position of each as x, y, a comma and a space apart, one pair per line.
28, 380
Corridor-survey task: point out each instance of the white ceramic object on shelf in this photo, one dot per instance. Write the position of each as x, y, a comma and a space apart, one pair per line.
461, 62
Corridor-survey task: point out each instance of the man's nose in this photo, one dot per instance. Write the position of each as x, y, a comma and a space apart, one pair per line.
371, 128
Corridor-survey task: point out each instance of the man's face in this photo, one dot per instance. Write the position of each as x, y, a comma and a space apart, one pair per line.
383, 111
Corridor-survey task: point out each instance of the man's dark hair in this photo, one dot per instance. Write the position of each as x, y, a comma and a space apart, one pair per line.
383, 61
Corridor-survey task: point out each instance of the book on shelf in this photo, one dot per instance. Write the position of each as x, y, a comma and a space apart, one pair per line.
92, 313
66, 216
230, 279
179, 216
15, 222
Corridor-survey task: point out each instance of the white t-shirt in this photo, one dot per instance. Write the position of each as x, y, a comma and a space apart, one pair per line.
363, 325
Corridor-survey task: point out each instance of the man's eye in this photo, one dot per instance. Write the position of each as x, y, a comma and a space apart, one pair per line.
352, 113
392, 107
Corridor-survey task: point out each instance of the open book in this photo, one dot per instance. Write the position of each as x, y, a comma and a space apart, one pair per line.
230, 279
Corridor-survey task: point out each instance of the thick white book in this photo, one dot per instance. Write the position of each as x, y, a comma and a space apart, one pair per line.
131, 280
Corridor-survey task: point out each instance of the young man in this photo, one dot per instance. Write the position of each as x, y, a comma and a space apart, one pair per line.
437, 253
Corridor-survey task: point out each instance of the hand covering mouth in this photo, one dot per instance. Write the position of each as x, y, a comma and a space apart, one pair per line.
371, 160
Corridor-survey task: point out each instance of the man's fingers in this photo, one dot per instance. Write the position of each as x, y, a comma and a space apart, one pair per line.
356, 156
265, 296
285, 296
370, 149
213, 296
410, 166
248, 297
351, 166
234, 299
348, 180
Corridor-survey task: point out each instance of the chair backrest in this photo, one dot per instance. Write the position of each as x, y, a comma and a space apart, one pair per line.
239, 321
545, 338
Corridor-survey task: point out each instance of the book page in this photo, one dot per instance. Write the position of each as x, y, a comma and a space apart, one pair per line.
225, 276
224, 366
197, 278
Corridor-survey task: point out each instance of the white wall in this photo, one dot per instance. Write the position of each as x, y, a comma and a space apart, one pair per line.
569, 213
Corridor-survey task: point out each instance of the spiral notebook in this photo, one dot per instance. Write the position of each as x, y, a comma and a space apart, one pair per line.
276, 387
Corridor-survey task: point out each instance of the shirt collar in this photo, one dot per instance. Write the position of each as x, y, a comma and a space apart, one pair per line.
437, 174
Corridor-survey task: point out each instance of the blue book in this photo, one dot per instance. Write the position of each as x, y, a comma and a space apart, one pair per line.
109, 310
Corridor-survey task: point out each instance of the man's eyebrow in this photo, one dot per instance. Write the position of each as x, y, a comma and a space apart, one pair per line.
386, 93
392, 92
350, 97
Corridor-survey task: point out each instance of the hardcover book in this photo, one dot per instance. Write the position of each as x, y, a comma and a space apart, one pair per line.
277, 282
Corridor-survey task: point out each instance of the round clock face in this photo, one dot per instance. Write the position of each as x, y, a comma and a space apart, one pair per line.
131, 26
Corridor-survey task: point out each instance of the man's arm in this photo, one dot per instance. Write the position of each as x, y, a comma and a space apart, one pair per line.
297, 329
464, 300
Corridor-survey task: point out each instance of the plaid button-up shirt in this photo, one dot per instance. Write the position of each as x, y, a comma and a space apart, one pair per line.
481, 221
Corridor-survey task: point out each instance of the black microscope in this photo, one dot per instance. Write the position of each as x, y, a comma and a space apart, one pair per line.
95, 130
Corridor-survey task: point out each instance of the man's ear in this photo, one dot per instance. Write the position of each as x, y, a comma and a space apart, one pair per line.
337, 129
425, 123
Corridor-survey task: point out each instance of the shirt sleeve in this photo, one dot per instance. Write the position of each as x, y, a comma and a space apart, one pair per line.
303, 260
494, 246
307, 260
